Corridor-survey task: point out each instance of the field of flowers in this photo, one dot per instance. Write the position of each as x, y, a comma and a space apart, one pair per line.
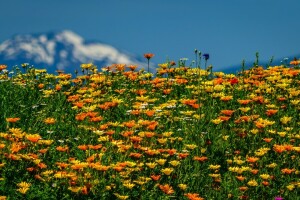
184, 133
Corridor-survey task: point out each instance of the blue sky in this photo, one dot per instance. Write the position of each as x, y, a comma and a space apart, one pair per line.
229, 31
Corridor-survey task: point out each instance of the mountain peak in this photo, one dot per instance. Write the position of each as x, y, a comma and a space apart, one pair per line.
69, 36
63, 50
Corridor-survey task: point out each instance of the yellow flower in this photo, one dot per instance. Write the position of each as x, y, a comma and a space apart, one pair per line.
281, 133
290, 187
161, 161
162, 140
167, 171
285, 119
252, 183
216, 121
24, 185
264, 176
225, 137
74, 189
151, 165
214, 175
182, 186
128, 185
23, 190
272, 165
174, 163
191, 146
245, 109
122, 197
254, 131
214, 167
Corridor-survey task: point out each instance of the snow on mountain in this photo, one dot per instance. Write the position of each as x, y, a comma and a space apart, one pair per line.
63, 50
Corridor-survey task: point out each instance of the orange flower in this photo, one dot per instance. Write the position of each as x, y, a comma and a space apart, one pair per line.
12, 120
265, 183
135, 112
155, 177
243, 188
287, 171
42, 165
252, 159
279, 148
268, 139
50, 120
240, 178
132, 67
150, 113
129, 124
227, 112
183, 155
62, 149
148, 55
62, 165
193, 196
226, 98
271, 112
41, 85
83, 147
135, 155
136, 138
2, 67
96, 119
33, 138
152, 126
224, 118
254, 171
167, 189
244, 102
293, 62
201, 159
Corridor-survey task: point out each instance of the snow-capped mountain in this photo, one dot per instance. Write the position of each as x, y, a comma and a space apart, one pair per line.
62, 50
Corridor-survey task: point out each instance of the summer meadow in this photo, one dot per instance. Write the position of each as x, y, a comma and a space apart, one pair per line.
121, 132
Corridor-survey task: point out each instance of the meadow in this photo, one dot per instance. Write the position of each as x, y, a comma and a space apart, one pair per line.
121, 133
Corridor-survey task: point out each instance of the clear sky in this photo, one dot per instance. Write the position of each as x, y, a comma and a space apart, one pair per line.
229, 30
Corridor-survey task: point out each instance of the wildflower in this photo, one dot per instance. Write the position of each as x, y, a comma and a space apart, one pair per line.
227, 112
167, 189
128, 185
24, 184
12, 120
290, 187
49, 120
216, 121
193, 196
206, 56
264, 176
2, 67
271, 112
201, 159
182, 186
174, 163
214, 167
33, 137
167, 171
155, 177
122, 197
252, 183
278, 198
285, 119
252, 159
23, 190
